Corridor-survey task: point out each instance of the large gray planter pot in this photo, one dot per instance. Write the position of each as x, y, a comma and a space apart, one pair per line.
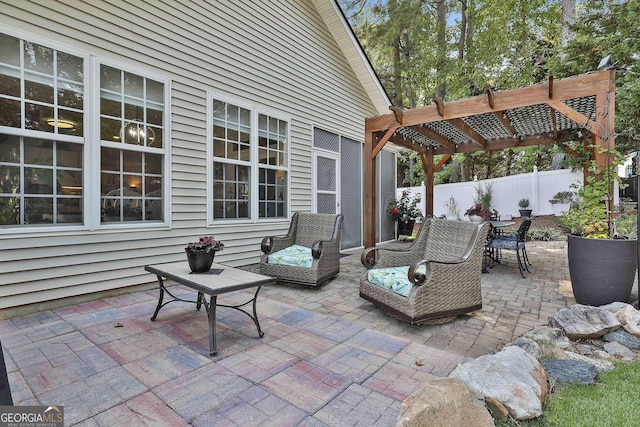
602, 270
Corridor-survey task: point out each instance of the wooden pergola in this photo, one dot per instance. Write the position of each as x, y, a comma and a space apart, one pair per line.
570, 109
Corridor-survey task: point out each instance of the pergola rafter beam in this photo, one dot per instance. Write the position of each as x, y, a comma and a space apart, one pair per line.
587, 100
435, 137
504, 119
569, 88
469, 131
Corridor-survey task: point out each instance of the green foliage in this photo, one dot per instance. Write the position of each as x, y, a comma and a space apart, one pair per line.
589, 218
610, 402
545, 234
405, 208
563, 197
523, 203
608, 27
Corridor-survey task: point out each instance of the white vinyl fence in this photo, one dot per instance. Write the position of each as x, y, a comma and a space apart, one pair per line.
538, 187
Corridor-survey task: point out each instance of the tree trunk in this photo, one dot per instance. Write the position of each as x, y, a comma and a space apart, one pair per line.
441, 40
568, 14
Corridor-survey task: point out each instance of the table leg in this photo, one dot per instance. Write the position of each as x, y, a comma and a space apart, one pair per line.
161, 303
254, 301
160, 298
211, 314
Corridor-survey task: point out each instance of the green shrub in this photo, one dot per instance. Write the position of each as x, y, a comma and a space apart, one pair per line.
545, 234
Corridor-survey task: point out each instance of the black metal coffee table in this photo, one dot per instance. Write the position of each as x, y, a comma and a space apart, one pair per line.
219, 280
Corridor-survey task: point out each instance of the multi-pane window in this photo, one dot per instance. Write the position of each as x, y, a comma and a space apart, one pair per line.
41, 134
44, 142
248, 148
273, 151
131, 154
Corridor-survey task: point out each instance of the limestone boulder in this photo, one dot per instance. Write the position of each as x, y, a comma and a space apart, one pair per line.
600, 364
629, 317
623, 337
443, 402
584, 321
512, 376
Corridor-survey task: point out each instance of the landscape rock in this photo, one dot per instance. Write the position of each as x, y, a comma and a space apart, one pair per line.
443, 402
570, 371
512, 376
620, 352
630, 319
497, 409
548, 335
623, 337
615, 306
599, 363
528, 345
584, 321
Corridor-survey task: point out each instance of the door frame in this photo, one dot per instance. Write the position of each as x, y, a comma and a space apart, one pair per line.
314, 178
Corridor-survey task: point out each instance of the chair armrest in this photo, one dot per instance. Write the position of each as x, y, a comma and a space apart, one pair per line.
319, 245
266, 245
418, 279
273, 244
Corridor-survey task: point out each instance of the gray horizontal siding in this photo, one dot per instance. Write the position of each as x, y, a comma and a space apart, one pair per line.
275, 55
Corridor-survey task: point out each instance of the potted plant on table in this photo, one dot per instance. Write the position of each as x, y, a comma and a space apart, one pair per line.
523, 204
200, 254
481, 208
405, 212
602, 250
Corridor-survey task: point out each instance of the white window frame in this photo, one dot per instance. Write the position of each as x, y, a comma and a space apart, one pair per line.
91, 143
95, 219
255, 166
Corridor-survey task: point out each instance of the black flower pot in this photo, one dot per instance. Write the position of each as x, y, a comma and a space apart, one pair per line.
200, 260
525, 213
405, 228
602, 270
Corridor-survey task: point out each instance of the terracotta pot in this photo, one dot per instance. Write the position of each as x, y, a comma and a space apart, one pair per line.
602, 270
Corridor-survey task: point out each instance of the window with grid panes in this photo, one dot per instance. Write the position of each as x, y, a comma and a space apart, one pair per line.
273, 150
132, 146
248, 155
43, 141
42, 107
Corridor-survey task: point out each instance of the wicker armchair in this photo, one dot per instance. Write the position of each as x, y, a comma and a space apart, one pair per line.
452, 252
321, 233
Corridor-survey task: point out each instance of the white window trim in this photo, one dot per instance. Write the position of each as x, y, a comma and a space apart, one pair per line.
93, 218
91, 143
254, 164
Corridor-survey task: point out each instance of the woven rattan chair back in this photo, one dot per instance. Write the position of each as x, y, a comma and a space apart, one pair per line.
448, 240
311, 227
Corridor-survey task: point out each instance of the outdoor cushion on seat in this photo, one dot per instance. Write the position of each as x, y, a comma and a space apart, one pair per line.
296, 255
394, 278
308, 254
442, 280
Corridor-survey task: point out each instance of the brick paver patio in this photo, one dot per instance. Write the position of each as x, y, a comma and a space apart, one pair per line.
328, 357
